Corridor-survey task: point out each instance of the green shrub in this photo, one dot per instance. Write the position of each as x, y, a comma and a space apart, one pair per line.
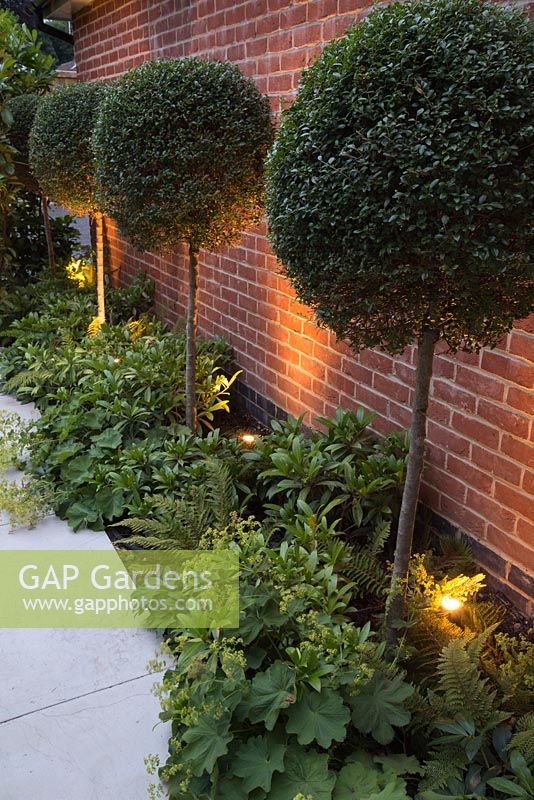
62, 160
400, 192
25, 503
38, 317
26, 240
131, 301
212, 477
278, 689
107, 401
24, 68
274, 708
344, 467
112, 410
147, 362
220, 476
16, 303
12, 431
23, 110
109, 438
61, 155
56, 311
180, 146
388, 200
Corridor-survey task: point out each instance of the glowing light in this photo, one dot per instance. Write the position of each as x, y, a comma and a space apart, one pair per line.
117, 360
450, 603
80, 272
248, 438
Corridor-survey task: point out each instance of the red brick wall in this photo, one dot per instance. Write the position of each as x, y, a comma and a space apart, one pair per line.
480, 475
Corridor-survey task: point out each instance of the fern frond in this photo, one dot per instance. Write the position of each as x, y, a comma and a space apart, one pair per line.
427, 638
137, 328
461, 688
444, 766
476, 646
221, 493
27, 378
478, 617
463, 587
364, 567
379, 538
182, 522
193, 516
456, 554
367, 573
422, 713
523, 737
93, 329
144, 526
151, 543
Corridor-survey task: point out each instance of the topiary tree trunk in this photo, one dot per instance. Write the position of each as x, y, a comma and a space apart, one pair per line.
100, 284
191, 340
48, 235
425, 360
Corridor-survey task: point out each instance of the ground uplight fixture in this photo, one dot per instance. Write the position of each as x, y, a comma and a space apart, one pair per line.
449, 603
248, 438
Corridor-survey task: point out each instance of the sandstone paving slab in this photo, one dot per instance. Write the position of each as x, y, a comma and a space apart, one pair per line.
40, 667
89, 748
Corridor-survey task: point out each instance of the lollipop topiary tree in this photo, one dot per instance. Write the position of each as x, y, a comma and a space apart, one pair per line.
400, 193
180, 148
23, 109
61, 158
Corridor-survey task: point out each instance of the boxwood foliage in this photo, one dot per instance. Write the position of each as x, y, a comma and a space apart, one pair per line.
180, 147
23, 109
400, 188
61, 155
400, 193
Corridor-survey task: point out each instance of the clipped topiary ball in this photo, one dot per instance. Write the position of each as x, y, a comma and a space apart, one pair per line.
61, 155
180, 147
23, 109
400, 188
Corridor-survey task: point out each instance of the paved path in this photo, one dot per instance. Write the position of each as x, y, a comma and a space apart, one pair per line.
77, 715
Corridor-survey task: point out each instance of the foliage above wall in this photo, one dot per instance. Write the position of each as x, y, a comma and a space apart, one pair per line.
180, 146
23, 68
27, 242
61, 155
23, 109
401, 186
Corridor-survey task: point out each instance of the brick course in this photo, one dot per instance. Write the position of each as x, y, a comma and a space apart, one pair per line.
481, 453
